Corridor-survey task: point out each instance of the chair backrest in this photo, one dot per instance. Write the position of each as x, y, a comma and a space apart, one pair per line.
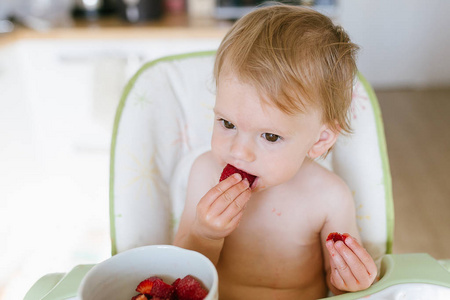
164, 121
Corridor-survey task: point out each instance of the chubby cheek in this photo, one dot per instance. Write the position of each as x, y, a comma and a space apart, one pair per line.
218, 148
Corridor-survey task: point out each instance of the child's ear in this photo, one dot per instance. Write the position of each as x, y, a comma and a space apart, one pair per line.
326, 140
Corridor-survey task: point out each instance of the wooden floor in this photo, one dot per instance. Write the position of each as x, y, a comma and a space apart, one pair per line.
417, 127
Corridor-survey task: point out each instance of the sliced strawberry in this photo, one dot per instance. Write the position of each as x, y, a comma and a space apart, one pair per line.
230, 170
335, 236
145, 286
139, 297
190, 288
156, 287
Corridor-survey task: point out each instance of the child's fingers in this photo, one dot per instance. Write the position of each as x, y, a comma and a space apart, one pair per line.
340, 265
237, 206
224, 223
335, 277
210, 221
355, 265
214, 193
229, 198
363, 256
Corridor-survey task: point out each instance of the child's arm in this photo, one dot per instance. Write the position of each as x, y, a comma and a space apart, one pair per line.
348, 265
209, 217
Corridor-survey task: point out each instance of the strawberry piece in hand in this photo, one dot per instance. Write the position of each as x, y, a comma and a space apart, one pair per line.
190, 288
156, 287
230, 170
335, 236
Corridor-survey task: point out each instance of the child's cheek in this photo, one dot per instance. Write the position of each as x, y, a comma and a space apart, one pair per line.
217, 149
214, 141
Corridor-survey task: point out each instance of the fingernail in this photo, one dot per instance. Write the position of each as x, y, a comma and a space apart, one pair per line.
237, 176
329, 244
246, 181
339, 244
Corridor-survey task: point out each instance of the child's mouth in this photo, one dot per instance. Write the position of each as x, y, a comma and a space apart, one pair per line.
230, 170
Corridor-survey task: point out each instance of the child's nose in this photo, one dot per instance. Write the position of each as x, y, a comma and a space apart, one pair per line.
242, 149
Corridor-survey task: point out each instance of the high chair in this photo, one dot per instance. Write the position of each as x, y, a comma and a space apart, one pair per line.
164, 121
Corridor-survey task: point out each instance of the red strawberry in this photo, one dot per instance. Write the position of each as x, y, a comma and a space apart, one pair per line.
335, 236
162, 289
145, 286
230, 170
175, 283
190, 288
139, 297
156, 287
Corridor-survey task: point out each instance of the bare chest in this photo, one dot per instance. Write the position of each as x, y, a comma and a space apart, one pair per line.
276, 246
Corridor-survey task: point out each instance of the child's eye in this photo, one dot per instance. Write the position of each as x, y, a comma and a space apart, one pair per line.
227, 125
271, 137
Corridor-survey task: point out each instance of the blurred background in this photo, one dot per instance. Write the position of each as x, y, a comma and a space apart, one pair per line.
64, 63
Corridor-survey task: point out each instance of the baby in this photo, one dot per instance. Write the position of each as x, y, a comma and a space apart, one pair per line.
284, 77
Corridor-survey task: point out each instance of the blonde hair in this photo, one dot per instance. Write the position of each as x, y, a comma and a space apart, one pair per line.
296, 57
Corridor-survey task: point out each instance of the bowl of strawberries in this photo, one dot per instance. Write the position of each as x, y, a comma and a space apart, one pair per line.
158, 272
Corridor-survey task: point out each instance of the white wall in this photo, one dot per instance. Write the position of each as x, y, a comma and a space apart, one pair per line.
404, 43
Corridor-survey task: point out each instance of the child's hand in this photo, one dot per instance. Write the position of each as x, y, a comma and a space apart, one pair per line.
352, 268
221, 209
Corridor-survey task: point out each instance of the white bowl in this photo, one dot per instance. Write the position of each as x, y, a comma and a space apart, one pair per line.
118, 276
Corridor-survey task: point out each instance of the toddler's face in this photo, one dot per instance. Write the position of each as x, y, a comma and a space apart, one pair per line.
258, 138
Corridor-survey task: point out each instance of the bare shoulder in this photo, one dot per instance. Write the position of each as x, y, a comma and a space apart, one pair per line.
334, 200
204, 174
328, 186
205, 166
